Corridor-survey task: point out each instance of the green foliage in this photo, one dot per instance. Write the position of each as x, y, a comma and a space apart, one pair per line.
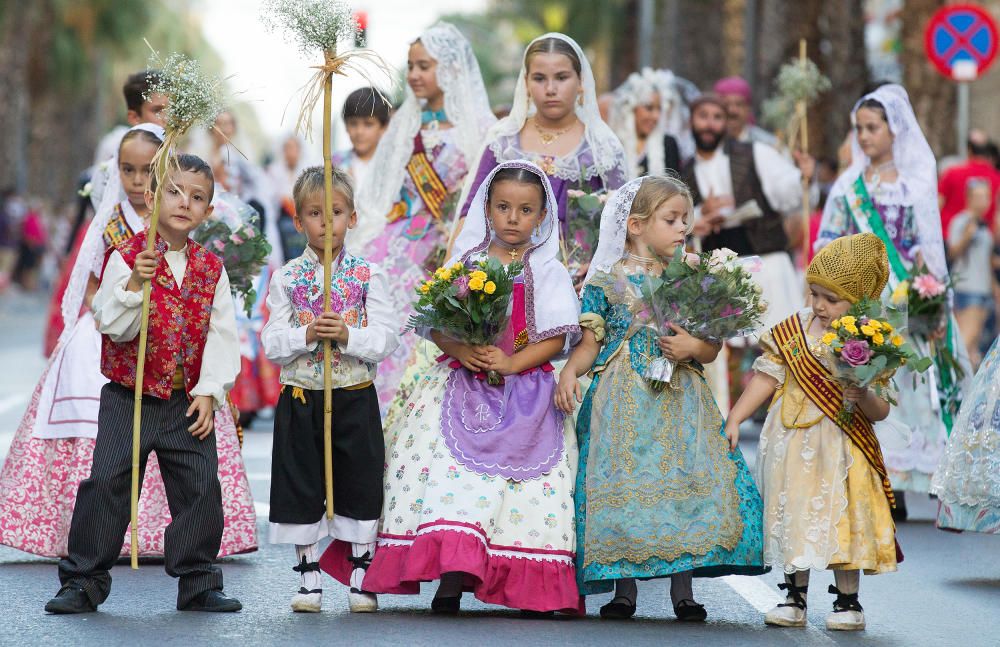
244, 252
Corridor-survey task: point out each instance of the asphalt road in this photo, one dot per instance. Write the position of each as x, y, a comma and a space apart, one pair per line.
947, 592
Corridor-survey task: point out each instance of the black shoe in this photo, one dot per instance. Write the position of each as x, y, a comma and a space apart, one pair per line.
899, 513
449, 606
690, 611
618, 610
528, 614
70, 599
215, 601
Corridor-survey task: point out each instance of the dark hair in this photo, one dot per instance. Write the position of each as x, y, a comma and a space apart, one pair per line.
873, 104
193, 164
137, 86
138, 133
871, 86
366, 102
979, 148
519, 175
553, 45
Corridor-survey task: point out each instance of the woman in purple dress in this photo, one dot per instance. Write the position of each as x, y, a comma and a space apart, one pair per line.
555, 123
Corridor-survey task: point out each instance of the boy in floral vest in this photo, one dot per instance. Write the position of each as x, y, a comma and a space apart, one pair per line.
364, 329
192, 359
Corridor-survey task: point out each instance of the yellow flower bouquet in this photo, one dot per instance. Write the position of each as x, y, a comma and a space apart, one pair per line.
469, 303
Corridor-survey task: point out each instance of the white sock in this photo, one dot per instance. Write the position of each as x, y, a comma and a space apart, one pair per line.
307, 556
848, 582
366, 551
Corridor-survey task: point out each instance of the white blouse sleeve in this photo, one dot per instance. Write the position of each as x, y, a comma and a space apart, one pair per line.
282, 341
118, 311
220, 363
380, 337
779, 178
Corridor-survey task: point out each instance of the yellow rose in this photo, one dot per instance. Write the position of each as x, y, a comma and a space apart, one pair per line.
829, 337
476, 284
878, 339
886, 327
490, 287
875, 324
478, 275
897, 340
456, 267
851, 328
868, 331
848, 320
425, 288
902, 291
445, 275
835, 324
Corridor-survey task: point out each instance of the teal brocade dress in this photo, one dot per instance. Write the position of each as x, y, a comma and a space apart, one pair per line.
658, 492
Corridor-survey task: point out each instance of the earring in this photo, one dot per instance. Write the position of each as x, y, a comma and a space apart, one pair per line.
579, 99
538, 230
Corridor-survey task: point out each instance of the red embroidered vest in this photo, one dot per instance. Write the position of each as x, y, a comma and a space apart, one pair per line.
178, 322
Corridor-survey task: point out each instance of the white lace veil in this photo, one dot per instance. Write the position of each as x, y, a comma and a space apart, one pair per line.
466, 106
917, 169
91, 252
637, 90
614, 220
676, 94
551, 304
604, 145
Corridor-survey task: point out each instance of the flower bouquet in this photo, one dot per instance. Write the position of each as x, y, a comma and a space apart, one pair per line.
713, 299
583, 225
469, 303
244, 252
925, 299
867, 351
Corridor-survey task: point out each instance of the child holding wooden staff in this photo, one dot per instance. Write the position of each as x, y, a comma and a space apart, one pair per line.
362, 325
192, 360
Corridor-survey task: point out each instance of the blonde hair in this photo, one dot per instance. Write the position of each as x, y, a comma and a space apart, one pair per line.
654, 191
310, 181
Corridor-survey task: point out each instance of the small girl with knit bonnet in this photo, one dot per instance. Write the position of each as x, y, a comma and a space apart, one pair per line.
826, 494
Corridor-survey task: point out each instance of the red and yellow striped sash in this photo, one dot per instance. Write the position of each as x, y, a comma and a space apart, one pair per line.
818, 383
427, 182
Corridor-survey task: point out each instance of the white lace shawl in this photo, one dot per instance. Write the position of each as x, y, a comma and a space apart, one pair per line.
467, 108
92, 249
611, 239
551, 305
917, 170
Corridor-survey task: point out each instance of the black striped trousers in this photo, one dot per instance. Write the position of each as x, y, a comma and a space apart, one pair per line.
190, 475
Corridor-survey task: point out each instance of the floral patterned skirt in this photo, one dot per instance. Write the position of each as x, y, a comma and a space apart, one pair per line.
40, 478
513, 540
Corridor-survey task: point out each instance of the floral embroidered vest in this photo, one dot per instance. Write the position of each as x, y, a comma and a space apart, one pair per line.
302, 279
178, 322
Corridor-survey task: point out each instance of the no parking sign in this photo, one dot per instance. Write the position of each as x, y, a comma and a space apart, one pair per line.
961, 41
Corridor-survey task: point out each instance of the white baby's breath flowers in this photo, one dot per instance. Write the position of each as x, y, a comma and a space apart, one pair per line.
313, 24
192, 95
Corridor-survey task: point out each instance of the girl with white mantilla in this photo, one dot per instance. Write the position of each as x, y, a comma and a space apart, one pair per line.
487, 506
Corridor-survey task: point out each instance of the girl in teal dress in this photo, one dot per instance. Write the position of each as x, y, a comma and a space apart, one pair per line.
660, 490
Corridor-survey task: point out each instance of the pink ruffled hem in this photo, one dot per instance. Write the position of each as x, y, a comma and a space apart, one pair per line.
512, 576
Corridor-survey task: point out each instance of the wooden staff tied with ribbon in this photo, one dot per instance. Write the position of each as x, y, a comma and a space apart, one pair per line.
329, 69
160, 168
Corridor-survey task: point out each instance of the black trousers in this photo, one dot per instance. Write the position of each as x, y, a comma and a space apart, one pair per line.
190, 475
298, 482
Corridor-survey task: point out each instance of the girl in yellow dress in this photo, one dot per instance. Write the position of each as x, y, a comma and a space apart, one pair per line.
825, 490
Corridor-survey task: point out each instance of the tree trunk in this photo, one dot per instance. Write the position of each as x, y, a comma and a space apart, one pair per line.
689, 33
15, 33
932, 95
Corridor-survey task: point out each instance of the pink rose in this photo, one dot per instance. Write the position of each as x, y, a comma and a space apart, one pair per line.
236, 239
249, 232
461, 287
856, 352
928, 286
218, 245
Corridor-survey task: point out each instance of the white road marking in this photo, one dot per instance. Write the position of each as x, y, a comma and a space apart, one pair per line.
763, 597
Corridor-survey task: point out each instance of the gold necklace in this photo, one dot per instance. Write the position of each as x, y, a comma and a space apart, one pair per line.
513, 251
548, 137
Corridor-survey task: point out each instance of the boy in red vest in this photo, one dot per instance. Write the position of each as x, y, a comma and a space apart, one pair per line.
192, 358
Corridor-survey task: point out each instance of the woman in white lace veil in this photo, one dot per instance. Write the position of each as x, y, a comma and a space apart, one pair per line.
597, 161
466, 107
416, 173
890, 189
640, 111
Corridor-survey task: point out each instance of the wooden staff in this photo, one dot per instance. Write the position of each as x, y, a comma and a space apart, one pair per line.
327, 269
140, 364
804, 145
